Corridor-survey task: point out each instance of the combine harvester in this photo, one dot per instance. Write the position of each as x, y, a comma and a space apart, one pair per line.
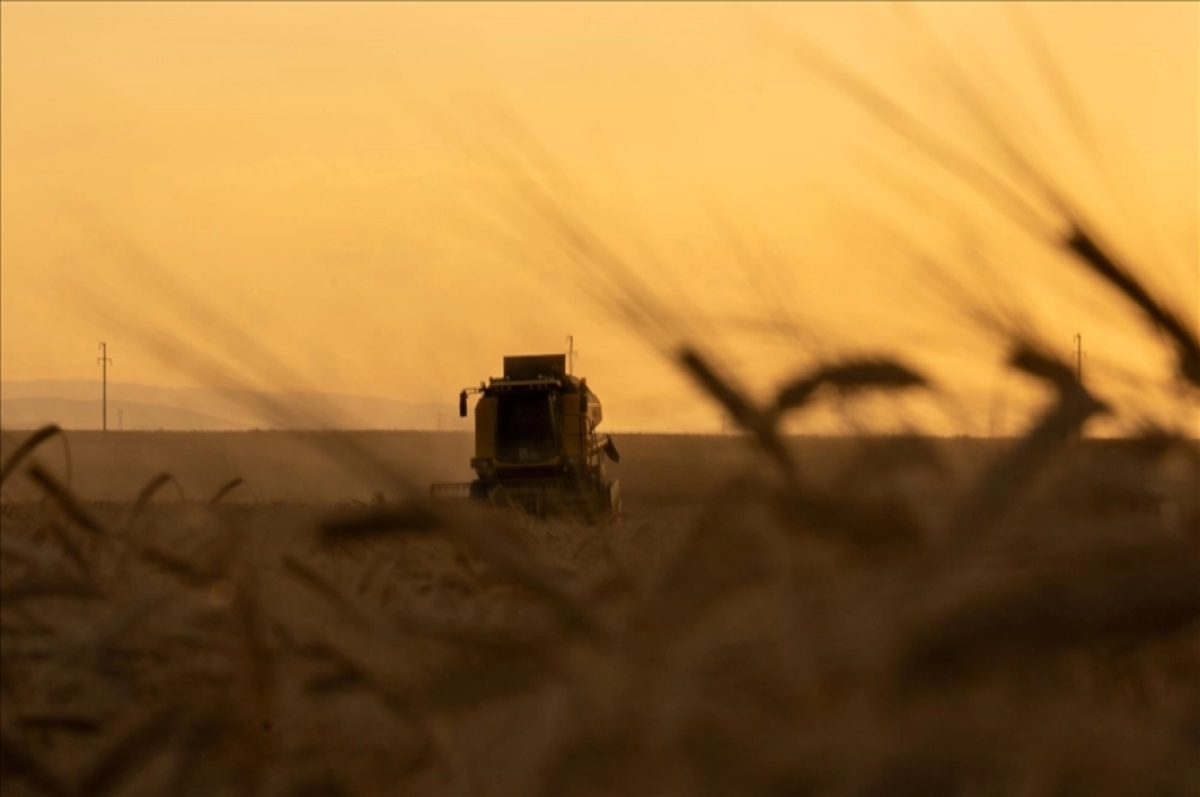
536, 445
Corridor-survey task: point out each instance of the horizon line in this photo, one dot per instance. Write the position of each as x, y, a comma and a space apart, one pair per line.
632, 432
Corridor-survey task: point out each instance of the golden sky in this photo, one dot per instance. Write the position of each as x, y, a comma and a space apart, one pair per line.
279, 160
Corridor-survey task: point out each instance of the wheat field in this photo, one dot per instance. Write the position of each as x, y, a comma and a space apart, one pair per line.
716, 640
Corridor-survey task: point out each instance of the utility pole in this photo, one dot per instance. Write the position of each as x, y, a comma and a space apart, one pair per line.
1079, 353
571, 354
104, 361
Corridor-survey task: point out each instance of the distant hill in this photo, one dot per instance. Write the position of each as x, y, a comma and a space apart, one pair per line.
29, 413
76, 404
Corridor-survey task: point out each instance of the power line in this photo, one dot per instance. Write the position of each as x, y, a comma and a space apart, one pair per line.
104, 360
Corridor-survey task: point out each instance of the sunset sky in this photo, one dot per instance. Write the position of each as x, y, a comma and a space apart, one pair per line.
284, 162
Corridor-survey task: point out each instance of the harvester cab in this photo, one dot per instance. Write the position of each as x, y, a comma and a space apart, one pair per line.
536, 444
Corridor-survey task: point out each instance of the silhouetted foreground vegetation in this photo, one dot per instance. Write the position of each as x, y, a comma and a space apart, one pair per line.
869, 635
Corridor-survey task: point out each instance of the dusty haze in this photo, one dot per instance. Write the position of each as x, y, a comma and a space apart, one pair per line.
280, 162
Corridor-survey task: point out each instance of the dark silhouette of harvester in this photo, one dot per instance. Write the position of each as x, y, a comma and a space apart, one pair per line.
536, 445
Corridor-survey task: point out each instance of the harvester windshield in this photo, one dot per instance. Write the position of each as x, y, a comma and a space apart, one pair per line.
525, 427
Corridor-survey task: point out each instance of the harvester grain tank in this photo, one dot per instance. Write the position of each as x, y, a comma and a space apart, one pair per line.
536, 444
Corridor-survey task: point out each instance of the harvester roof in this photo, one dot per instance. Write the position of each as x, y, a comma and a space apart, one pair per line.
536, 366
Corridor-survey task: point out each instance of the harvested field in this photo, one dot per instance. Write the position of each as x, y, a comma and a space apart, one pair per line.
300, 467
